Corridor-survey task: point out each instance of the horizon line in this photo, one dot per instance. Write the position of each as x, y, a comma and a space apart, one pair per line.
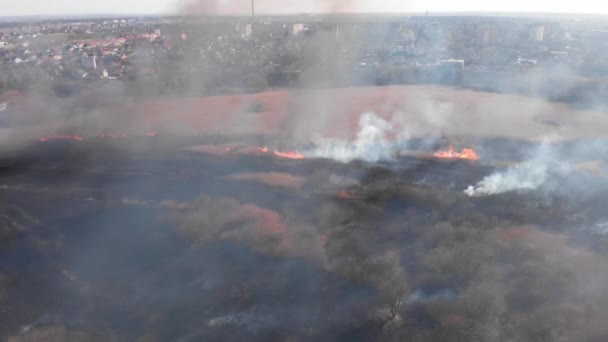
410, 13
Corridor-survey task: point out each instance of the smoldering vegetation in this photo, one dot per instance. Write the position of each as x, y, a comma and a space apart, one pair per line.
164, 245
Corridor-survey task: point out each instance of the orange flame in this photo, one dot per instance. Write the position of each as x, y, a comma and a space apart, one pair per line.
289, 155
345, 194
256, 150
450, 153
286, 155
62, 137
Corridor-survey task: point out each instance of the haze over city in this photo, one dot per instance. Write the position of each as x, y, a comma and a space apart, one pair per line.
73, 7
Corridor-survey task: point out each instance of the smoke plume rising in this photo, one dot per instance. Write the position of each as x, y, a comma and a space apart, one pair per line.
223, 7
550, 166
526, 176
372, 143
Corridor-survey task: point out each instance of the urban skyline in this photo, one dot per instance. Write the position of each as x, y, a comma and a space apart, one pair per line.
73, 7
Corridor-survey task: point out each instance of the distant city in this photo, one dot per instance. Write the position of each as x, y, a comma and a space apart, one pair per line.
243, 54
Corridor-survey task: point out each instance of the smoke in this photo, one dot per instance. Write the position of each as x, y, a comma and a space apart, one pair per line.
599, 228
219, 7
420, 296
224, 7
372, 143
552, 167
379, 139
528, 175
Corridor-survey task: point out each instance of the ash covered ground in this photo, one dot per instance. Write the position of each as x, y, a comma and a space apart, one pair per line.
135, 206
173, 242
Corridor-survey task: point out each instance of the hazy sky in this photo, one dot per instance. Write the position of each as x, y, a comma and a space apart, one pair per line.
32, 7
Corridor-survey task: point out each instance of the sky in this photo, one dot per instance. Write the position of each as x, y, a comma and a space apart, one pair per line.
72, 7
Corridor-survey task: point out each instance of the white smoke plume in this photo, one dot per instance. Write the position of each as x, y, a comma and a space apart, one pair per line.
600, 228
372, 143
529, 175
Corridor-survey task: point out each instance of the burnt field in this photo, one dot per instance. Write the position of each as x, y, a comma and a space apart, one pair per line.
160, 243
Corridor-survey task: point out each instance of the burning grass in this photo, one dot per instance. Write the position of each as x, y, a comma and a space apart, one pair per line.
389, 252
450, 153
427, 110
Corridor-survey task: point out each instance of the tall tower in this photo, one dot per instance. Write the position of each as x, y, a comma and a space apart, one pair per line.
252, 15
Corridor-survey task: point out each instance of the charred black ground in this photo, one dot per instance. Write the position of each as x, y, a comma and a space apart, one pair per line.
160, 244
